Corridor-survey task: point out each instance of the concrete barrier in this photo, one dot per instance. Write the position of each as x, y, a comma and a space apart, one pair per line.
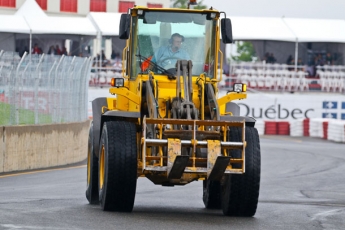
42, 146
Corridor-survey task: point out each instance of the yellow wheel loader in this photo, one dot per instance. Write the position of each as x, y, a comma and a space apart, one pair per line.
164, 119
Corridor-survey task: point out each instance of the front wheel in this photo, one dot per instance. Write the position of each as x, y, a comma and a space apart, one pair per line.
240, 192
92, 171
118, 166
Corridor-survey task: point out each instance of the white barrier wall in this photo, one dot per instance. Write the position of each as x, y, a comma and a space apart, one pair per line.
316, 127
329, 129
296, 128
336, 130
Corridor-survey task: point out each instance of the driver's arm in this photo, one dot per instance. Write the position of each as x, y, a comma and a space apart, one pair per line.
157, 54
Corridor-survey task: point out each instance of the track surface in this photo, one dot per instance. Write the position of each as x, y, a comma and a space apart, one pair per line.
302, 187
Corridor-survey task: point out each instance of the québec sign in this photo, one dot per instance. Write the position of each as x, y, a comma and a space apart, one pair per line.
275, 112
289, 107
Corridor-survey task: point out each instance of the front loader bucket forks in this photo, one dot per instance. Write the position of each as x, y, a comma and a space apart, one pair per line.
174, 164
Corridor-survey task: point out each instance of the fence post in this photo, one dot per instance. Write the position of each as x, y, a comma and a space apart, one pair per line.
68, 93
37, 81
14, 108
82, 98
50, 88
57, 80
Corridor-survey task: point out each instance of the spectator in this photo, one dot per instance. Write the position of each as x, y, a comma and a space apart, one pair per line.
96, 60
265, 58
23, 50
289, 60
113, 55
300, 62
52, 50
271, 59
57, 50
105, 61
329, 59
64, 51
36, 49
319, 60
103, 56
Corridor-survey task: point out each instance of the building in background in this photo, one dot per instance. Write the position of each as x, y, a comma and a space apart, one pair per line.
81, 8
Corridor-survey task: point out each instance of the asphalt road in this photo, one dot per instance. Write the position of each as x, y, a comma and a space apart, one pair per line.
302, 187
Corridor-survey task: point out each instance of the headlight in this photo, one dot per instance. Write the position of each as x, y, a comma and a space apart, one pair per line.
238, 87
117, 82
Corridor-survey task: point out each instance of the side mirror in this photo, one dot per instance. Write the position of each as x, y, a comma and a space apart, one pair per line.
124, 26
226, 29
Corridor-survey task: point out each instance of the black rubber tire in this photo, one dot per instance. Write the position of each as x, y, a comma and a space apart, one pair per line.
120, 166
92, 171
240, 192
211, 194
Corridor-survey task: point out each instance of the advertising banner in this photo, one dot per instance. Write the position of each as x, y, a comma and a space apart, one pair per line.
293, 106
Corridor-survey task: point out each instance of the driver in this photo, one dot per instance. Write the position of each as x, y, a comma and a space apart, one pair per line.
166, 56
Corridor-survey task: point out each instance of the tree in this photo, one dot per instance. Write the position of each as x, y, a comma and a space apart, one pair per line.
245, 52
183, 4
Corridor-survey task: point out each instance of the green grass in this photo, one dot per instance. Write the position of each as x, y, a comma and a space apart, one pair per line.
26, 117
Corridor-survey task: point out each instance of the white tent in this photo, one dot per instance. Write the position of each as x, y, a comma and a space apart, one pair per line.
9, 25
106, 23
13, 24
271, 33
40, 23
250, 28
31, 23
288, 29
317, 30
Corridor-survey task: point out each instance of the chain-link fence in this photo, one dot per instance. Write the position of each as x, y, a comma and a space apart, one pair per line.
43, 89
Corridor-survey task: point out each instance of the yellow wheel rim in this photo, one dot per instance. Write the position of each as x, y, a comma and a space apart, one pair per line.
101, 168
88, 167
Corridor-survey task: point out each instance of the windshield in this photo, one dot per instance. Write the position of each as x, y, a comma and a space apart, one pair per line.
165, 37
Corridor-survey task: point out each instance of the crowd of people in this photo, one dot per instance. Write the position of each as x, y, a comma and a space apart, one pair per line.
57, 51
269, 58
53, 50
316, 59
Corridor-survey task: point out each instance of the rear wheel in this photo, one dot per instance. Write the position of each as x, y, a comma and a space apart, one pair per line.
211, 194
240, 192
92, 171
118, 166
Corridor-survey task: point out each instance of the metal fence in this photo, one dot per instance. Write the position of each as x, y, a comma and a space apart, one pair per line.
43, 89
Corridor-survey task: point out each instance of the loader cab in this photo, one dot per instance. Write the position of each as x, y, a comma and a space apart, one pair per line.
149, 33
